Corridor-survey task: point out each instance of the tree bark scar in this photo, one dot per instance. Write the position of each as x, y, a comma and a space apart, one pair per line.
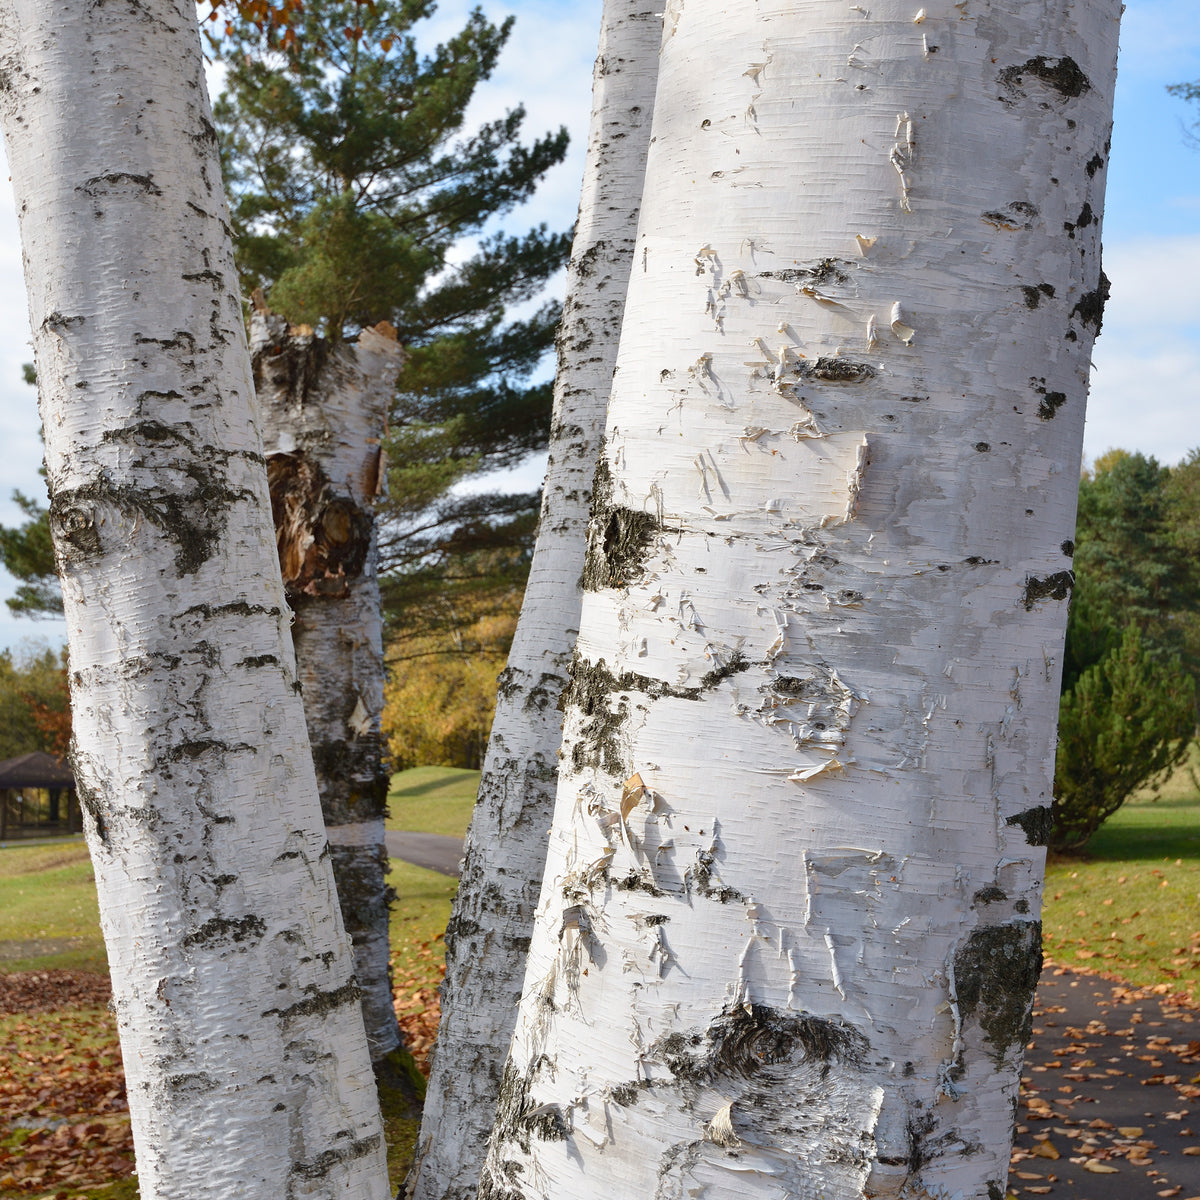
519, 1118
1058, 586
742, 1041
995, 973
100, 185
619, 539
1064, 75
323, 538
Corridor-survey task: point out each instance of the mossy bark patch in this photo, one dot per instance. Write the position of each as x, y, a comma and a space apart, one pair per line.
995, 973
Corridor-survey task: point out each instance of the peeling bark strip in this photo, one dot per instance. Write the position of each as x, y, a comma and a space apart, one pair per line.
506, 846
324, 413
787, 935
216, 897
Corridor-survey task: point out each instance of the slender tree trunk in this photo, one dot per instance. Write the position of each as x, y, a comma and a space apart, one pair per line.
788, 936
247, 1068
489, 930
324, 414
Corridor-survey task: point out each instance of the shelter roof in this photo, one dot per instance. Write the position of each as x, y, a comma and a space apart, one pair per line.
35, 770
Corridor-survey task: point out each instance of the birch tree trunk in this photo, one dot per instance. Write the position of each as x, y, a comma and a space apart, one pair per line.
324, 413
788, 937
245, 1060
488, 933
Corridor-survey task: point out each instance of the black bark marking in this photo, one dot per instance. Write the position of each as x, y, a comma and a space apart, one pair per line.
308, 1170
222, 930
1062, 74
995, 973
1093, 165
195, 1083
738, 663
519, 1118
989, 895
1053, 587
214, 277
354, 785
89, 797
699, 877
236, 608
824, 271
1068, 548
591, 685
1019, 214
323, 539
191, 517
258, 660
319, 1003
57, 323
289, 365
1050, 403
100, 184
637, 881
1090, 309
191, 750
1035, 823
1033, 295
836, 370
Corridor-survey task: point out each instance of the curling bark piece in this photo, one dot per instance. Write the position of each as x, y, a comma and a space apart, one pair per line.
324, 413
233, 983
788, 936
489, 929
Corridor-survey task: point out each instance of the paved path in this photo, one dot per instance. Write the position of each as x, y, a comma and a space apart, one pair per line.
1111, 1089
429, 850
1110, 1098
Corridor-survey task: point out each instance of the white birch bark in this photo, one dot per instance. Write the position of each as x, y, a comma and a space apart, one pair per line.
324, 413
489, 929
788, 936
245, 1060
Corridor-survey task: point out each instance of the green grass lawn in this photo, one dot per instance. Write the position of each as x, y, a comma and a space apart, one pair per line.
432, 800
48, 913
1130, 904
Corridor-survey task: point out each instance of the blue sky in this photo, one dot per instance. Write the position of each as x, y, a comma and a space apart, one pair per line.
1147, 362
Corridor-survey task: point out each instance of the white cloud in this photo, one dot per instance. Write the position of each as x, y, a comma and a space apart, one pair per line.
1147, 361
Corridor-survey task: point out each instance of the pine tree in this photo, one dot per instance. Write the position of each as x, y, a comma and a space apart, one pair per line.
351, 183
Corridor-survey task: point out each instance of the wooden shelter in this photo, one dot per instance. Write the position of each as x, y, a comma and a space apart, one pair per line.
37, 797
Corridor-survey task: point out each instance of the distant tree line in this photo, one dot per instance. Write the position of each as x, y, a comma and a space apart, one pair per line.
1132, 658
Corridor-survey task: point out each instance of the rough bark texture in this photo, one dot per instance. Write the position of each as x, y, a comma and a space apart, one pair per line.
788, 936
489, 930
247, 1068
324, 412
